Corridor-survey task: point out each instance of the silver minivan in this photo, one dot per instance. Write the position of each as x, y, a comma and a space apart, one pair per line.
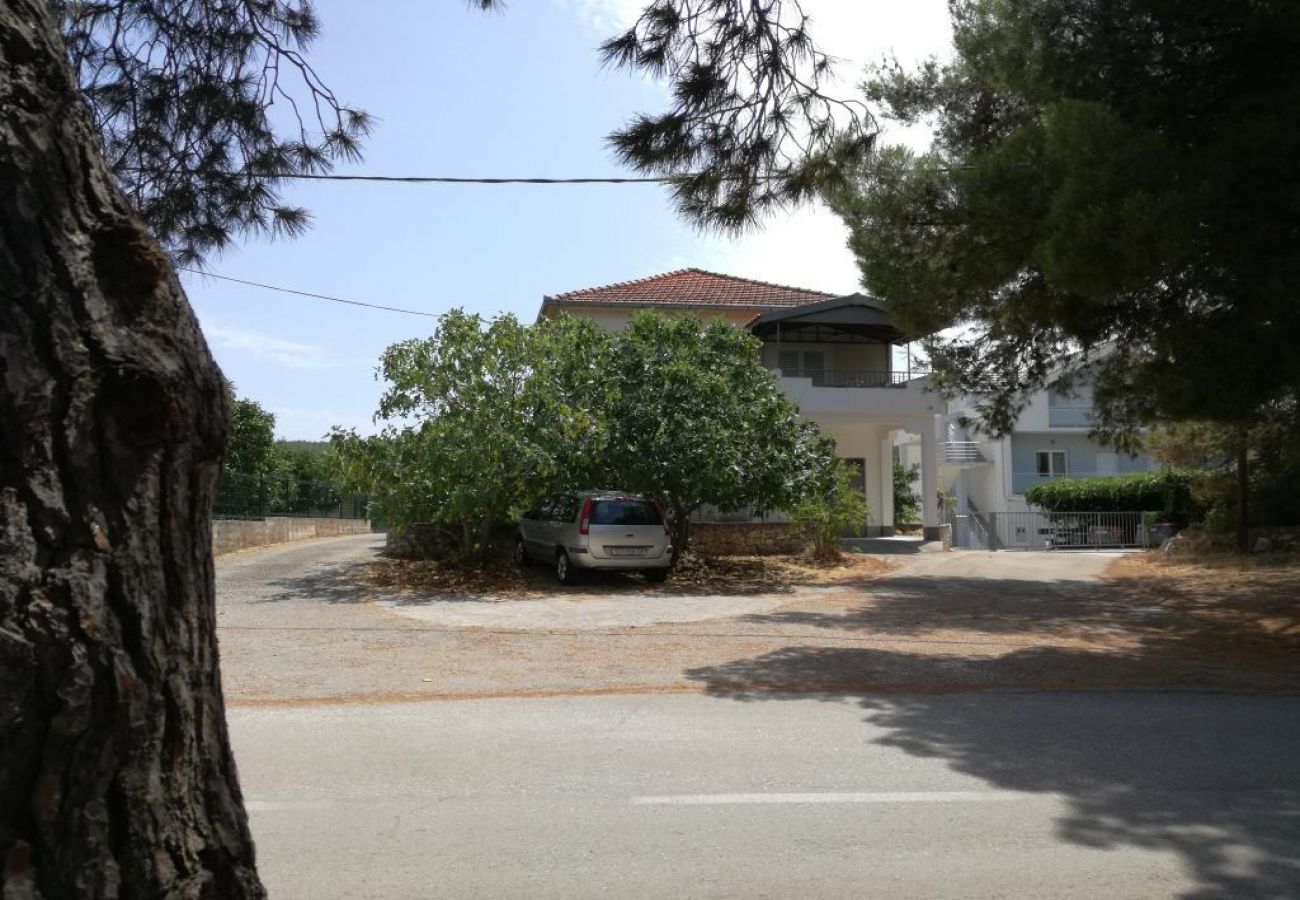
604, 530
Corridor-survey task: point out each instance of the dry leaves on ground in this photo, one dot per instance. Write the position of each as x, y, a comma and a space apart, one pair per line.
1245, 612
730, 575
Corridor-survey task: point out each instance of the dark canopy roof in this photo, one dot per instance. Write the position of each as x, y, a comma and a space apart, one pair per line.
855, 319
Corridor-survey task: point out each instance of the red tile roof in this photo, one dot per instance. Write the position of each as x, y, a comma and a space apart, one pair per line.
693, 287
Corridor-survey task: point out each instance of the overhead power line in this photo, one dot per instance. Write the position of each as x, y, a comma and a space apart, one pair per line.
436, 179
309, 294
446, 179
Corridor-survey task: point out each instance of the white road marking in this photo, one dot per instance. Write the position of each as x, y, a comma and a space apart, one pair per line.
836, 797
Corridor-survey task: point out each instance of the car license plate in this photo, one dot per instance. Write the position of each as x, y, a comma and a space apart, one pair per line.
627, 551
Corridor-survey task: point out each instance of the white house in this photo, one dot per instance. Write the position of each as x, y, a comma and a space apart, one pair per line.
837, 358
1050, 440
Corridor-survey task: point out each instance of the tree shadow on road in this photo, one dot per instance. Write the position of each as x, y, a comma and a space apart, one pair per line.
1250, 623
1197, 774
338, 582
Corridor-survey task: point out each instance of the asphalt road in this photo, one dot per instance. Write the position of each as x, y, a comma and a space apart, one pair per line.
967, 795
736, 789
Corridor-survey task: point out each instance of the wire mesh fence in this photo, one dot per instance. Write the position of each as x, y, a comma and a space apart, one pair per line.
244, 496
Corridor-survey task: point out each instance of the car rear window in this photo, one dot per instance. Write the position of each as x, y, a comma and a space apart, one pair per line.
624, 512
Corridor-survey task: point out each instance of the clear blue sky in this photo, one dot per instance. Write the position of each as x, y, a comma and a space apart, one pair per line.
461, 93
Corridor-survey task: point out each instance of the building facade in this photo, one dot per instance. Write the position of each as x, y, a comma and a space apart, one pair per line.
847, 367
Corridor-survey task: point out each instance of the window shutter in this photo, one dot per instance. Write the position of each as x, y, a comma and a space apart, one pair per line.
788, 362
814, 366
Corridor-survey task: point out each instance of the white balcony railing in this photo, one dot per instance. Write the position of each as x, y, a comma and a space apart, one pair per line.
849, 378
957, 452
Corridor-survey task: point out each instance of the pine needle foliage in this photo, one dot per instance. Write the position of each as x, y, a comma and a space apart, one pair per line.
206, 108
750, 126
191, 100
1112, 192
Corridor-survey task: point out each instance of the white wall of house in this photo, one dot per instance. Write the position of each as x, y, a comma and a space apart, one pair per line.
864, 442
1051, 422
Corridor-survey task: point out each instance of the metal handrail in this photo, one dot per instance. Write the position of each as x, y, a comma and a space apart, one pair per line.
963, 451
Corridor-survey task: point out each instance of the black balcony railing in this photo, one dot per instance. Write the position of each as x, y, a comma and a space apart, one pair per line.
850, 378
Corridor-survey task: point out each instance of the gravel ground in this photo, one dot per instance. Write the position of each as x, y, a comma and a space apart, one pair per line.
297, 626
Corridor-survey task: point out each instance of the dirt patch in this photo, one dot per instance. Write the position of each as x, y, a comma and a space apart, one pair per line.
944, 622
694, 575
1225, 611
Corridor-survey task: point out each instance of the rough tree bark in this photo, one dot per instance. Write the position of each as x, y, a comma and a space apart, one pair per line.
116, 776
1243, 489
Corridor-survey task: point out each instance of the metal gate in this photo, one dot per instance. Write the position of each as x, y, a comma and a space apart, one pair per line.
1065, 530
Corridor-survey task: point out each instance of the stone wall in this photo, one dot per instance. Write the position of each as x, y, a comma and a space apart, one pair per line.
746, 539
421, 540
418, 540
1264, 539
229, 535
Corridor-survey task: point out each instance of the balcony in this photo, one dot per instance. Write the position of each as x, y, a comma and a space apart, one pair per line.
849, 378
1070, 416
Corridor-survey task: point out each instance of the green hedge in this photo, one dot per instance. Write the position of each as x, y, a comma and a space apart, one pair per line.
1167, 491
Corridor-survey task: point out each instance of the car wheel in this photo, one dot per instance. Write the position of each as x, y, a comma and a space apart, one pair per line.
656, 576
521, 553
564, 569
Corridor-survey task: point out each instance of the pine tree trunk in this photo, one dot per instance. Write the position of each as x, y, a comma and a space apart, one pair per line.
1243, 490
116, 776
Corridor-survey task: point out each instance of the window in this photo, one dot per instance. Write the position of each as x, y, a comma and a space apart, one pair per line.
814, 366
565, 508
624, 512
803, 364
1050, 463
542, 511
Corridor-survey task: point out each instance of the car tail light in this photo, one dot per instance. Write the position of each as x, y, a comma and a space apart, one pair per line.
662, 518
584, 519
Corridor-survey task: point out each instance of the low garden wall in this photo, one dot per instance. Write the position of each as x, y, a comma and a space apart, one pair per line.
229, 535
746, 539
421, 540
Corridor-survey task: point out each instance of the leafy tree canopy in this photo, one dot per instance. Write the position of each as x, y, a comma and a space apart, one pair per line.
1213, 450
251, 448
695, 418
480, 419
907, 502
1111, 187
485, 417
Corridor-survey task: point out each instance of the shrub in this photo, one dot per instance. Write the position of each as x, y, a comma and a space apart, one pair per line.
907, 502
826, 515
1168, 492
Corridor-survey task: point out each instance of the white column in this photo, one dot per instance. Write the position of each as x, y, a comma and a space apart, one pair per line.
930, 478
886, 514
